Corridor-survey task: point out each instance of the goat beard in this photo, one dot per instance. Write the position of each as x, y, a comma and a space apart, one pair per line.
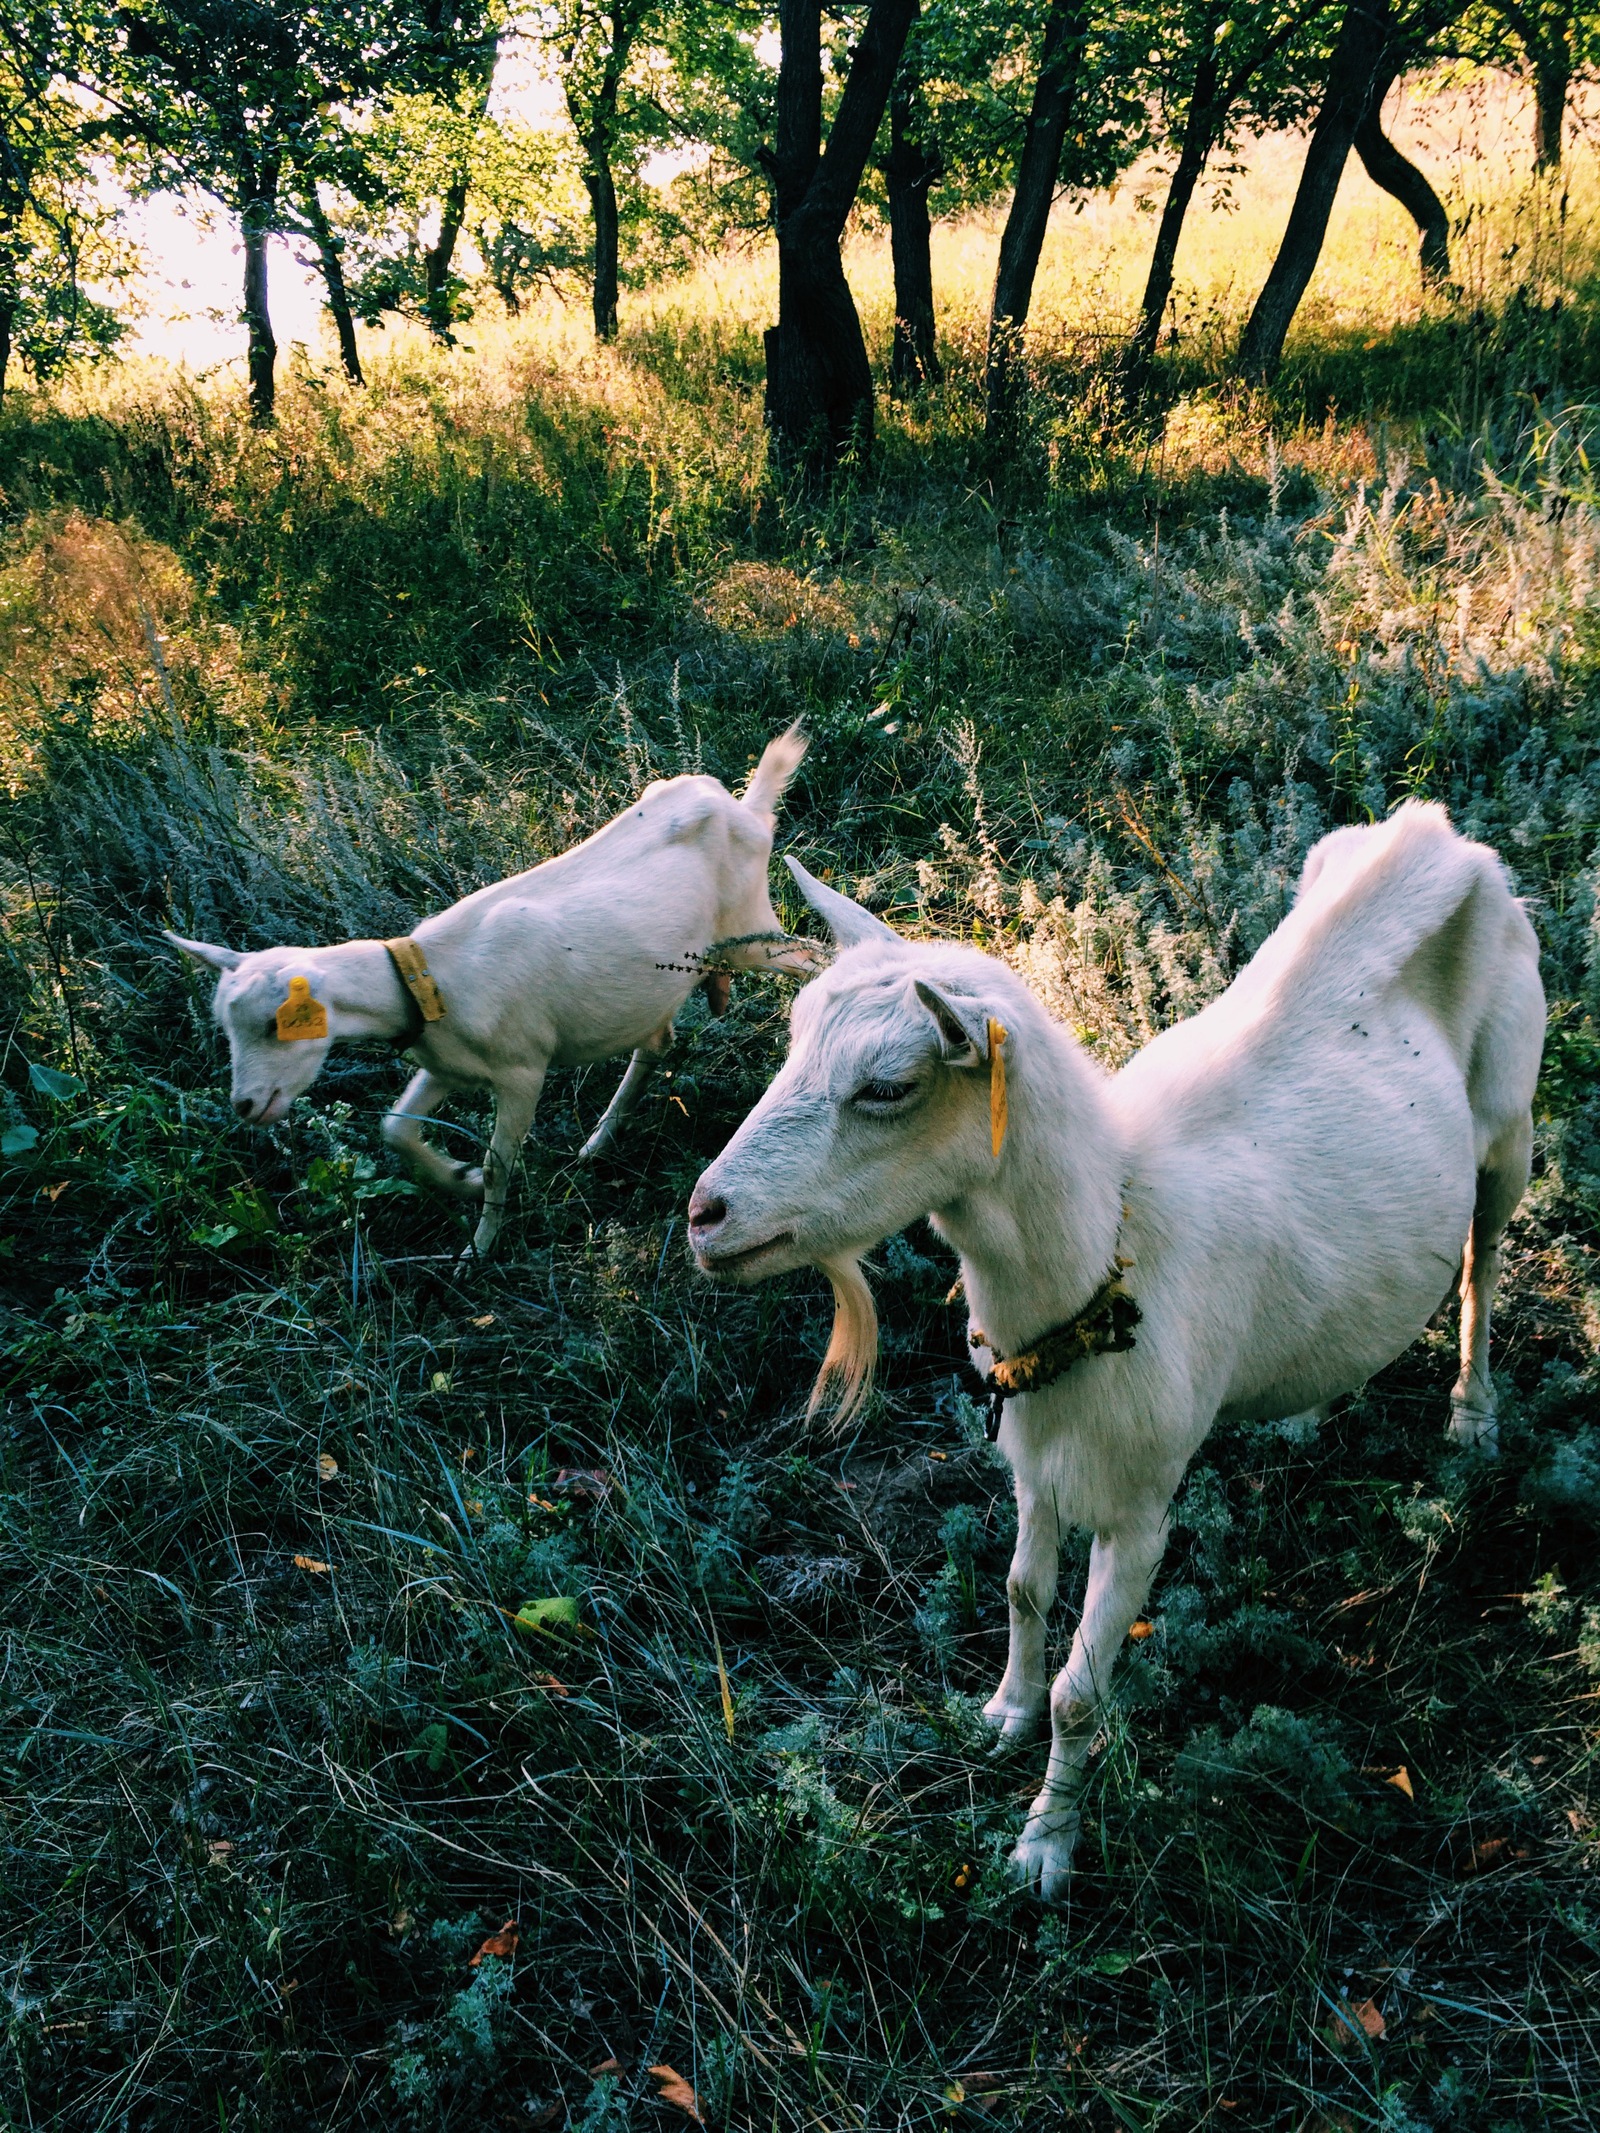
846, 1373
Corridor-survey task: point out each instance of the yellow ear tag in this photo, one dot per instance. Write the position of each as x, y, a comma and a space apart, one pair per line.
997, 1086
301, 1015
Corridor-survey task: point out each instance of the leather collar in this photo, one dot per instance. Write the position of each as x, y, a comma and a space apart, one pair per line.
1103, 1327
423, 1003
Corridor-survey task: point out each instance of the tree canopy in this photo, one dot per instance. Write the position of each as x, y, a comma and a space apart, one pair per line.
377, 140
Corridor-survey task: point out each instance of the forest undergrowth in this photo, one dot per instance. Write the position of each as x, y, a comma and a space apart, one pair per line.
445, 1696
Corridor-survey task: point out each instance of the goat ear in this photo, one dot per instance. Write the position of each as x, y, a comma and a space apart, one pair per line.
963, 1034
206, 953
850, 923
799, 959
786, 952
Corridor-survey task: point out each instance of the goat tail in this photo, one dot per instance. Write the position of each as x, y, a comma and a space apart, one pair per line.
846, 1373
780, 760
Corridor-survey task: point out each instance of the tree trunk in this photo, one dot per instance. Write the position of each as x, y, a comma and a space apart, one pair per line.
594, 121
1398, 176
910, 171
437, 260
1359, 57
333, 281
602, 190
1200, 129
819, 382
505, 287
1552, 77
1054, 95
6, 310
256, 228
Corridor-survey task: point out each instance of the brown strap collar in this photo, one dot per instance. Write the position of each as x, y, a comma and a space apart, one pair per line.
412, 966
1103, 1327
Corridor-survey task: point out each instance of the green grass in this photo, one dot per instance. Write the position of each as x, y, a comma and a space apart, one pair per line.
278, 1473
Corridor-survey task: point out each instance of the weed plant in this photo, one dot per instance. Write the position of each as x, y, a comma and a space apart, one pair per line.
280, 1475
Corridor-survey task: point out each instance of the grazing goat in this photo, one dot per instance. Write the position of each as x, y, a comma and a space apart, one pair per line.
1261, 1209
590, 954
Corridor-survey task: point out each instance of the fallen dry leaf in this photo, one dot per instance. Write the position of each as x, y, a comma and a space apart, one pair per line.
722, 1685
310, 1562
1138, 1631
1495, 1851
672, 2088
549, 1681
1401, 1781
606, 2066
1368, 2014
487, 1319
539, 1504
52, 1193
583, 1481
1369, 1598
327, 1466
503, 1944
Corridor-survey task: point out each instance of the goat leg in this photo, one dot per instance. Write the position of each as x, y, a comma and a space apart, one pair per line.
514, 1105
1501, 1184
402, 1131
621, 1104
628, 1092
1121, 1566
1019, 1703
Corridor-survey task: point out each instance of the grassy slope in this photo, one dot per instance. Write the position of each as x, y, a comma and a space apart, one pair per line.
275, 1470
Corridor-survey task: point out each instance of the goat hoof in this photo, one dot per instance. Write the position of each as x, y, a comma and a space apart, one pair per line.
1013, 1723
1476, 1427
1042, 1861
596, 1144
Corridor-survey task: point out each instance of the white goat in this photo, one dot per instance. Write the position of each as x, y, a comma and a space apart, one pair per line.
1286, 1185
590, 954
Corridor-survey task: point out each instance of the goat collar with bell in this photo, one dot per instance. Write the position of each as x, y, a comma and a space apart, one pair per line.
1103, 1327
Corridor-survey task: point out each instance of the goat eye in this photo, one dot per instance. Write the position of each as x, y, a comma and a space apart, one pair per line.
877, 1093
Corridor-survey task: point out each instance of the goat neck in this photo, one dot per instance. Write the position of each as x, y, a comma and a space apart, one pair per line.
1038, 1236
365, 996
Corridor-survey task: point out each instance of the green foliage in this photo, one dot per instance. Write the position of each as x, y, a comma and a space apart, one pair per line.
233, 100
523, 203
1277, 1752
58, 236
